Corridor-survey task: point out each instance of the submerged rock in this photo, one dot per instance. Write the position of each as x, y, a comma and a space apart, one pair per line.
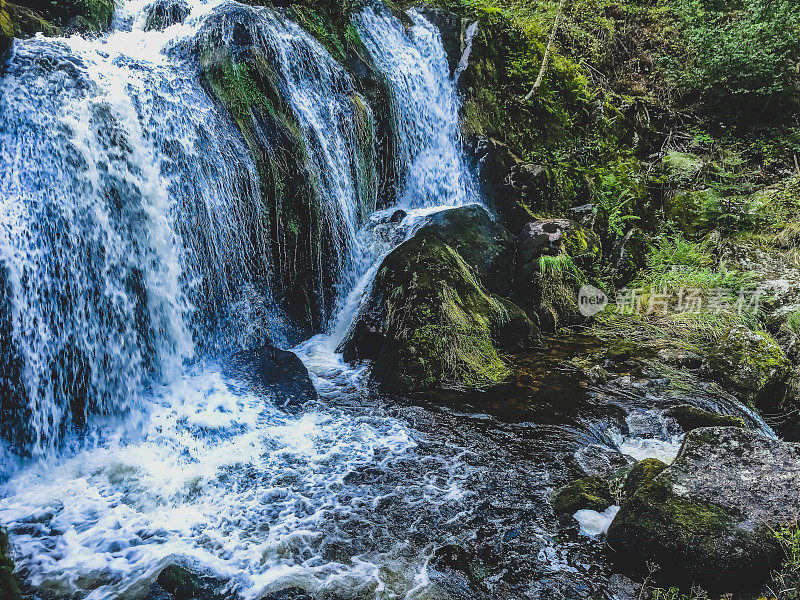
693, 417
162, 13
183, 584
588, 493
279, 373
708, 518
428, 321
9, 589
748, 362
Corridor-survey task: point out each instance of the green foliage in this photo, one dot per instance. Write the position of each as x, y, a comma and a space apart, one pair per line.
786, 581
621, 194
743, 55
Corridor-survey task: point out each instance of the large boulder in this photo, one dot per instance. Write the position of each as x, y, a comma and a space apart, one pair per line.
748, 362
587, 493
486, 246
428, 322
708, 518
279, 373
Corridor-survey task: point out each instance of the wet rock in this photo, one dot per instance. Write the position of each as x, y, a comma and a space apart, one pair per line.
590, 493
397, 216
493, 163
429, 323
641, 473
276, 372
6, 30
678, 357
485, 245
289, 594
629, 256
9, 589
182, 584
549, 263
162, 13
748, 362
708, 518
692, 417
558, 236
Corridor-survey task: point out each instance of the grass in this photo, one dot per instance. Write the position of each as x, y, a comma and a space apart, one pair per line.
786, 581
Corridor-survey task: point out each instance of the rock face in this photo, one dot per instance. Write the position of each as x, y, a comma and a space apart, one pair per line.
629, 256
429, 322
510, 187
708, 518
277, 372
748, 362
549, 263
163, 13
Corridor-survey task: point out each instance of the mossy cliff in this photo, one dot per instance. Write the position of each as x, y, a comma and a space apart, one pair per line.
24, 18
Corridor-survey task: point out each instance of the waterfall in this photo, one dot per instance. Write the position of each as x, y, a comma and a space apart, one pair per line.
134, 227
149, 226
425, 107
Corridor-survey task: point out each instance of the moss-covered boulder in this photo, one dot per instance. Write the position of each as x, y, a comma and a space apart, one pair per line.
9, 589
428, 322
691, 211
29, 17
748, 362
183, 584
641, 473
708, 518
486, 246
591, 493
693, 417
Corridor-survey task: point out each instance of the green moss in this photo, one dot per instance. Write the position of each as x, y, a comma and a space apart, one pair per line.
590, 493
642, 472
691, 417
9, 589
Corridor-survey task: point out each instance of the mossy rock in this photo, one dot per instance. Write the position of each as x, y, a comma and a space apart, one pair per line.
642, 472
691, 211
708, 518
590, 493
748, 362
429, 323
9, 588
692, 417
183, 584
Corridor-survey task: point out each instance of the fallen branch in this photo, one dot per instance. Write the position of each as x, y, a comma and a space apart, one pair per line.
546, 57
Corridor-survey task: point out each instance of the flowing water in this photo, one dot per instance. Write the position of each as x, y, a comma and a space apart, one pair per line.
135, 251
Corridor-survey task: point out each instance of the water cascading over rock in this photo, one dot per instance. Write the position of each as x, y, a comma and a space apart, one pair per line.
154, 211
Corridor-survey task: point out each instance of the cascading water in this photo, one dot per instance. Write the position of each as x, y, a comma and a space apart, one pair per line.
141, 240
134, 230
424, 108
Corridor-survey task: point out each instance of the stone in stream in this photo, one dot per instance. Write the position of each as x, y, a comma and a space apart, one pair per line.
587, 493
749, 363
709, 518
277, 372
429, 321
693, 417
